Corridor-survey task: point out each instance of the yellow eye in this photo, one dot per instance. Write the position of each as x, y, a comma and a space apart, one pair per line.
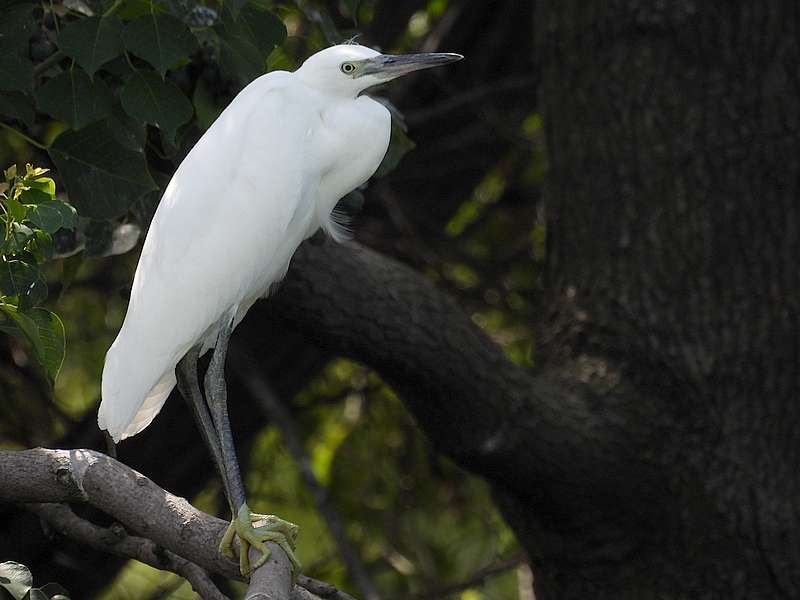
348, 68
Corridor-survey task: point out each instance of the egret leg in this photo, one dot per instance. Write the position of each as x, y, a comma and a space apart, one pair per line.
273, 528
189, 386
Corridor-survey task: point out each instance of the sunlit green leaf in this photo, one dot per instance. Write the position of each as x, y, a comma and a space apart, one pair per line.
15, 208
92, 41
44, 184
160, 39
72, 97
102, 177
44, 331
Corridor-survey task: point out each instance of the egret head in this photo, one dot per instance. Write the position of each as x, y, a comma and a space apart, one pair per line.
349, 69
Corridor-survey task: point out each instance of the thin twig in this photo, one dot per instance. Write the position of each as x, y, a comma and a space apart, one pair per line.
48, 62
28, 139
475, 580
322, 589
113, 8
267, 400
116, 541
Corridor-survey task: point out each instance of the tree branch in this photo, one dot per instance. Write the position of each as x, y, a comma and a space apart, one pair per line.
170, 531
116, 541
515, 427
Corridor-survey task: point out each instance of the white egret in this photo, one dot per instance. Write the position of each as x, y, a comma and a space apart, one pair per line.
265, 176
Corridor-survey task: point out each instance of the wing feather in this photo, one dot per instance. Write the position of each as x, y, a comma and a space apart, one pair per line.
226, 227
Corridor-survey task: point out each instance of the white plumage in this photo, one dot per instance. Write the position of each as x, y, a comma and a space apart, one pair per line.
265, 176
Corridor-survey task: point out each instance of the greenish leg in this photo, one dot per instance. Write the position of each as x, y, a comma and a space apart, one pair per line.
218, 436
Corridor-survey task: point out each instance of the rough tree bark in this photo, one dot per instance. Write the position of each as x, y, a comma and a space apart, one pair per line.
673, 223
653, 455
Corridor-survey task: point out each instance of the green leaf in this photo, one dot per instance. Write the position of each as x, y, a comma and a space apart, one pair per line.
205, 107
72, 97
45, 332
235, 7
15, 578
20, 234
130, 133
92, 41
15, 208
17, 106
16, 72
53, 215
247, 41
34, 196
18, 278
134, 9
44, 184
160, 39
36, 294
146, 97
41, 246
102, 177
16, 26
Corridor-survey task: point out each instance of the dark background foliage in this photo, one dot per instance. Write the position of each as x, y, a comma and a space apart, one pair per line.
113, 96
619, 178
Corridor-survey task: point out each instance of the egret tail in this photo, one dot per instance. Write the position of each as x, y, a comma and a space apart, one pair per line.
131, 397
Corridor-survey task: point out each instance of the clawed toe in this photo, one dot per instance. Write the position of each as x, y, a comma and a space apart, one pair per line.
268, 528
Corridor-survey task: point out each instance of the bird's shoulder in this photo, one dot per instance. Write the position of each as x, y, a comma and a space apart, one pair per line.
278, 87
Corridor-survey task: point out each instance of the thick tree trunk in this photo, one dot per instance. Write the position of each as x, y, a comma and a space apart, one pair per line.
652, 455
674, 229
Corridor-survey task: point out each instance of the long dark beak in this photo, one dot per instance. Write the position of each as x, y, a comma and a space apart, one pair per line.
388, 66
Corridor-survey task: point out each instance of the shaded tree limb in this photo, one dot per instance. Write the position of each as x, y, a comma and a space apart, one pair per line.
266, 399
511, 425
571, 446
116, 541
45, 478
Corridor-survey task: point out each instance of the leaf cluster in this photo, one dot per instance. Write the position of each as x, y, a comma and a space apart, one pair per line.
29, 215
108, 72
16, 582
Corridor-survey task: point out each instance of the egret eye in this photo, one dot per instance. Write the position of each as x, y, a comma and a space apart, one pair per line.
348, 68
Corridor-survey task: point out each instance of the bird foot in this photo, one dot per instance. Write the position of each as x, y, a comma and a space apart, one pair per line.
273, 529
